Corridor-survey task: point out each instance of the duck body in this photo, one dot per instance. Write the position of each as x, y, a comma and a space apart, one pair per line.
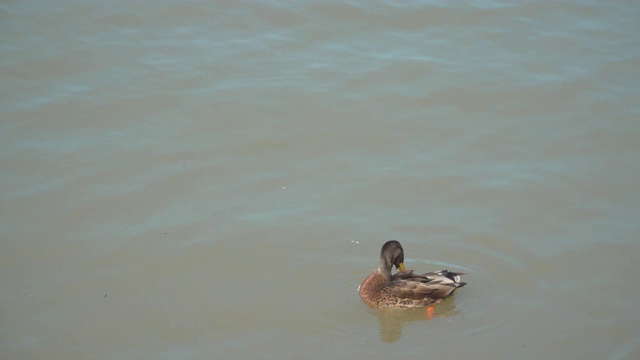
405, 289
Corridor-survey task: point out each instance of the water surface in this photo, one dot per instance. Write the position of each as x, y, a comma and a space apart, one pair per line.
214, 180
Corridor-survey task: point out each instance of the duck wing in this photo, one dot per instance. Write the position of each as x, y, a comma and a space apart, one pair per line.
424, 287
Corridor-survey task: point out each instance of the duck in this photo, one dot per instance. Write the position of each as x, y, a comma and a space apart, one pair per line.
404, 289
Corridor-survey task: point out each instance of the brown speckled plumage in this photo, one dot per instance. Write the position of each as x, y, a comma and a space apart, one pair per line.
405, 289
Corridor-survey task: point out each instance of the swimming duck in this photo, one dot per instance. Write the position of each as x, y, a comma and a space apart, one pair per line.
405, 289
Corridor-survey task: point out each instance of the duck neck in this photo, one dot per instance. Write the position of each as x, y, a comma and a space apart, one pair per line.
384, 269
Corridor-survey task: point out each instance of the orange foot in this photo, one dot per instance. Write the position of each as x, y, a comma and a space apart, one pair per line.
430, 311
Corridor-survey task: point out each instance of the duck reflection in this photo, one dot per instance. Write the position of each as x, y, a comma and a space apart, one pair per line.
392, 320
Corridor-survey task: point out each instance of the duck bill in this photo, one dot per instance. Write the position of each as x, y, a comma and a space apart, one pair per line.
401, 267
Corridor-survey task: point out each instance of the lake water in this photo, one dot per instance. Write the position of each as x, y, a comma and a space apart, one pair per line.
190, 180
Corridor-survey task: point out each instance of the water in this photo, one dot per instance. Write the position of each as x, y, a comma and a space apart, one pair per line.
213, 180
